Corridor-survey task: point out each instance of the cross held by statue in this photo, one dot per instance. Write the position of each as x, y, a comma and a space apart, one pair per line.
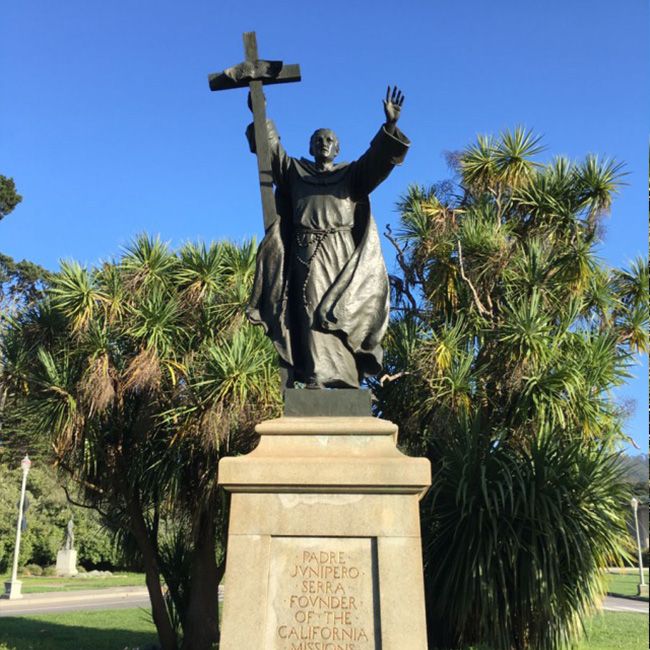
254, 73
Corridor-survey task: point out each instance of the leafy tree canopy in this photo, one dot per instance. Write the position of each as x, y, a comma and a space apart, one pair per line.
9, 197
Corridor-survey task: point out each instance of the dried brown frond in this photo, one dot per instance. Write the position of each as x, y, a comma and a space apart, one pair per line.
143, 372
69, 436
213, 428
134, 280
193, 294
222, 427
97, 387
516, 378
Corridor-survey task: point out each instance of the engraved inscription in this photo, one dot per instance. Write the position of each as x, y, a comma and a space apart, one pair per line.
320, 594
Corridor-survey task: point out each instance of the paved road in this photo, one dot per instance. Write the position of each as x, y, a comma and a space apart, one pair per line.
69, 601
615, 604
123, 597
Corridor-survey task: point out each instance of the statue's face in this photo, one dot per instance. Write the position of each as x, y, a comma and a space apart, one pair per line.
324, 145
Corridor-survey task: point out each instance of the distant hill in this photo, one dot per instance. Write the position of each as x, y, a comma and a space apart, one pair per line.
636, 468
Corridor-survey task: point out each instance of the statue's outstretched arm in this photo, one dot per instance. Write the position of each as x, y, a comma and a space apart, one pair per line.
387, 149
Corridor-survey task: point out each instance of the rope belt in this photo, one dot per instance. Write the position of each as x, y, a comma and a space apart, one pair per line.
307, 236
321, 231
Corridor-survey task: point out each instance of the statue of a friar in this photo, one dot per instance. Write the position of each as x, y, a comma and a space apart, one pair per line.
321, 288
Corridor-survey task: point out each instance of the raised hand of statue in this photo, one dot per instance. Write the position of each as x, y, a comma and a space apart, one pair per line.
393, 105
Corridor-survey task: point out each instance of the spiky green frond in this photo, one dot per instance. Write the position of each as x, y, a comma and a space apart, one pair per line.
111, 280
634, 325
531, 269
239, 263
57, 409
521, 518
156, 321
148, 260
513, 156
485, 239
236, 370
404, 336
76, 293
525, 331
598, 181
424, 216
200, 271
478, 165
632, 285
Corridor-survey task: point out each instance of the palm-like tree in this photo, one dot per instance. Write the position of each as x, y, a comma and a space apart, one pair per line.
508, 337
144, 373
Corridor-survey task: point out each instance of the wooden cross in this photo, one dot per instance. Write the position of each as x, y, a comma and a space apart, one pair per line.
254, 73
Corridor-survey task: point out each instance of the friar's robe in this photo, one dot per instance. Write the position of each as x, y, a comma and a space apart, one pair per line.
321, 288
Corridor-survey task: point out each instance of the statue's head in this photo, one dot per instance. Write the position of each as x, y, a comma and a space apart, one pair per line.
324, 145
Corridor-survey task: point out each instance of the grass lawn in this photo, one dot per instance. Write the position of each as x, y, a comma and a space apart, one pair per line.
95, 630
616, 631
131, 628
624, 584
34, 585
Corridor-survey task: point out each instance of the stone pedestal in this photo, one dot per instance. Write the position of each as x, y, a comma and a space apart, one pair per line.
324, 548
66, 563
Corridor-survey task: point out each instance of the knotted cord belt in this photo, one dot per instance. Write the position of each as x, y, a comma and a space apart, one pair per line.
307, 236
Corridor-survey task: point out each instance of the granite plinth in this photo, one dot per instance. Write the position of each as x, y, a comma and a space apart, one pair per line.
66, 562
324, 546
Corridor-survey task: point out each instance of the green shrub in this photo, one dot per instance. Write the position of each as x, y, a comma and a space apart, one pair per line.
33, 570
49, 571
515, 539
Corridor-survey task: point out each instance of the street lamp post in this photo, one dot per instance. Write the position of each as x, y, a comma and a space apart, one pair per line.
643, 588
13, 587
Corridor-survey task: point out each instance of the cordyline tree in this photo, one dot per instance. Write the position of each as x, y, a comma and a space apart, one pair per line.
507, 339
143, 373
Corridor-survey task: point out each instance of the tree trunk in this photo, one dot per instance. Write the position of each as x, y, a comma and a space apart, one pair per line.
166, 634
201, 621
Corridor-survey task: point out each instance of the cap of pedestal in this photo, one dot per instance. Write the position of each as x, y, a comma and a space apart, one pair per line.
326, 454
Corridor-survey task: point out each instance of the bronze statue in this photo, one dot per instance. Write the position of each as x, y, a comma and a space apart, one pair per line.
321, 288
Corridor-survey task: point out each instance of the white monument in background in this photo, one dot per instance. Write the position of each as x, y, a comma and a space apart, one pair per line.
66, 558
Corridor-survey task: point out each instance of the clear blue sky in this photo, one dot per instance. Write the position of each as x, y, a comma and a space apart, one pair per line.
109, 129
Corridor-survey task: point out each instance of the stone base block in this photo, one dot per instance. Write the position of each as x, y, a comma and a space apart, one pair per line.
324, 547
13, 589
66, 563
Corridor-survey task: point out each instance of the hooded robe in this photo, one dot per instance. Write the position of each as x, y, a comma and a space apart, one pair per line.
321, 289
